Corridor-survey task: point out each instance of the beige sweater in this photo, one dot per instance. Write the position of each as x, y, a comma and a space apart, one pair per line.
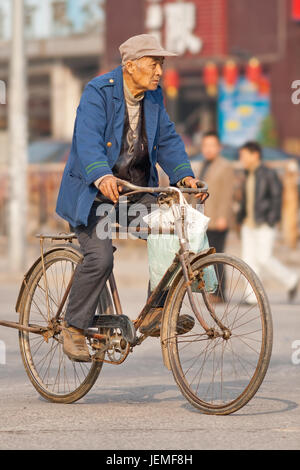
220, 180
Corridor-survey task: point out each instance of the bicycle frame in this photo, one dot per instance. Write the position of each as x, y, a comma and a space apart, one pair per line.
182, 258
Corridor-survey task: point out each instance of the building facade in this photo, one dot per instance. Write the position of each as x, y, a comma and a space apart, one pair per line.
252, 48
70, 41
64, 48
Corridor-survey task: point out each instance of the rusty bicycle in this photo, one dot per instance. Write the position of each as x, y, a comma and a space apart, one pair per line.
218, 366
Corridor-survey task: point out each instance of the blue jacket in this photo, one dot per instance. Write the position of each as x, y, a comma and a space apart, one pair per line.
97, 142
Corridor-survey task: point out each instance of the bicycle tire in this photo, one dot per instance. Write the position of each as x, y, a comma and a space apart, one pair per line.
174, 307
93, 369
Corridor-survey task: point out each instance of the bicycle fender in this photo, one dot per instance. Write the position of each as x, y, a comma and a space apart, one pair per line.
167, 305
21, 296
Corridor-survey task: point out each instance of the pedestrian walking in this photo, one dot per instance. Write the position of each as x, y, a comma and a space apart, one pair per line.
218, 173
259, 213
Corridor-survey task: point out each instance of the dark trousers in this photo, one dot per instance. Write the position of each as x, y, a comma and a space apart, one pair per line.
217, 239
92, 274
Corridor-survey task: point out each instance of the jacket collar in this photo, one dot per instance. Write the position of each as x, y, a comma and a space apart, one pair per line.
151, 109
118, 91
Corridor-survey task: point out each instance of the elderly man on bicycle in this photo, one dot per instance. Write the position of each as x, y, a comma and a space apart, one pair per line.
122, 130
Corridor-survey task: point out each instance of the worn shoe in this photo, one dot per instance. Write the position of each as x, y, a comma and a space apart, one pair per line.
74, 344
152, 323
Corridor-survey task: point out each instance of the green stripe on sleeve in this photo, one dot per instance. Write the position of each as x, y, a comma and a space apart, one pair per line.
182, 166
97, 165
92, 164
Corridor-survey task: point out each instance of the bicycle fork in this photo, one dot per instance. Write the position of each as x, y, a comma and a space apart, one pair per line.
190, 276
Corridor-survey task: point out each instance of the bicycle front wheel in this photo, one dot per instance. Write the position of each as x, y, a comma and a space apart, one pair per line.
52, 373
220, 371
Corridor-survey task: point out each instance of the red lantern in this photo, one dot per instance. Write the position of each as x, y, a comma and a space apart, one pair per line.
230, 73
253, 71
210, 78
210, 74
171, 83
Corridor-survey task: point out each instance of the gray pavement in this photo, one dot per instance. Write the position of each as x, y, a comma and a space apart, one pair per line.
137, 404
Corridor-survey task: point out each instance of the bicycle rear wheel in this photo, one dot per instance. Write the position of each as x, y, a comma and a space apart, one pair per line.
52, 373
221, 371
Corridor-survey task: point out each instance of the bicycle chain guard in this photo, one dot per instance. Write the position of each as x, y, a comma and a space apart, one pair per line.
118, 321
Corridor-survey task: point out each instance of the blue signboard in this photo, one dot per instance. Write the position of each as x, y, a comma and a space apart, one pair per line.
241, 111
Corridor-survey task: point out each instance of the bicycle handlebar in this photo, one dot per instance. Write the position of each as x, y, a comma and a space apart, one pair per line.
164, 189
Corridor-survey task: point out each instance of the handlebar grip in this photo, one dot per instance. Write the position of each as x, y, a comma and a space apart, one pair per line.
200, 184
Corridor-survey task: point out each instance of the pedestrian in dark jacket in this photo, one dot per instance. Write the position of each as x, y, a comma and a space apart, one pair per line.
122, 130
259, 213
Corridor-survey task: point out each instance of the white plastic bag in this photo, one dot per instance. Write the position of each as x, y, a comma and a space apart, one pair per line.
165, 216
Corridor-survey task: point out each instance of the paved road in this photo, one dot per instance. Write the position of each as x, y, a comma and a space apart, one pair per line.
137, 405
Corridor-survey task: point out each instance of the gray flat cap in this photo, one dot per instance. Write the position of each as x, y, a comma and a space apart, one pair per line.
141, 46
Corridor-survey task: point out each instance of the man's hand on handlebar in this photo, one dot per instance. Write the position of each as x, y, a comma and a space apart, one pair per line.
109, 188
191, 182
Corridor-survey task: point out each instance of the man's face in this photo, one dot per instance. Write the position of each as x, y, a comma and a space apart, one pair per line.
210, 147
249, 159
146, 72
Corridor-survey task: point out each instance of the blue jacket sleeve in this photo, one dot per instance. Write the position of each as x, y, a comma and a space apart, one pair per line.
172, 156
89, 131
